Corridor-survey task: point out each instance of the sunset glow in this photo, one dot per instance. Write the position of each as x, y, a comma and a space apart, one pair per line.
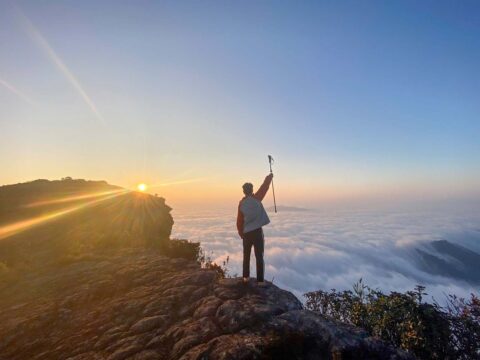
19, 226
75, 198
337, 129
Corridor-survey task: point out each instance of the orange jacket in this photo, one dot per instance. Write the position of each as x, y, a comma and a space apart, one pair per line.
259, 195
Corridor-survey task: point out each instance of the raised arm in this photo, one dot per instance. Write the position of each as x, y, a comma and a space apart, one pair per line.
240, 222
263, 189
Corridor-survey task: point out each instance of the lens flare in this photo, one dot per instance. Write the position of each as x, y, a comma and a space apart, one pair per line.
74, 198
15, 91
42, 42
15, 228
142, 187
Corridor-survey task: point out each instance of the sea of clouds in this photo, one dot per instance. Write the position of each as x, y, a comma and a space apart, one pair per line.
334, 248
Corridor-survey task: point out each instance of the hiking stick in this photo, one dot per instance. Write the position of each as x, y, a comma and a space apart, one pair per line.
270, 160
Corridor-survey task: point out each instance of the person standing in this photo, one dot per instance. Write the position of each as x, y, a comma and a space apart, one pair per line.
251, 218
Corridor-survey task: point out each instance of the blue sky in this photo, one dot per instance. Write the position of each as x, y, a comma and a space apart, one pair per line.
352, 98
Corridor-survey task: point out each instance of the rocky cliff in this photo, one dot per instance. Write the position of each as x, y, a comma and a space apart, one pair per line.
139, 304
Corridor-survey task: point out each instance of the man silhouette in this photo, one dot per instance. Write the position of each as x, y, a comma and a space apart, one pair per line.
250, 219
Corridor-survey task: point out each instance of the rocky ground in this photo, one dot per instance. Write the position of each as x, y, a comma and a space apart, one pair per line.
138, 305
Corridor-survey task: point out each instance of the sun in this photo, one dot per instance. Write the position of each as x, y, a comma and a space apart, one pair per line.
142, 187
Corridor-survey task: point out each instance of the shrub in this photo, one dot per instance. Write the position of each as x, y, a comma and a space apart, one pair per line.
464, 317
222, 270
404, 320
180, 248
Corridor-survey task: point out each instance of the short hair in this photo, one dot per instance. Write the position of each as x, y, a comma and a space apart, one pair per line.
247, 188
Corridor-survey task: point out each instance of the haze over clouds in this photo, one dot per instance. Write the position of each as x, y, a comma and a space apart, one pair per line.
324, 249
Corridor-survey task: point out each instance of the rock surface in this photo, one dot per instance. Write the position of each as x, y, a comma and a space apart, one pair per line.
139, 305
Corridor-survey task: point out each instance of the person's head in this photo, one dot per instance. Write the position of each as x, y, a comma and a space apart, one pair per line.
247, 189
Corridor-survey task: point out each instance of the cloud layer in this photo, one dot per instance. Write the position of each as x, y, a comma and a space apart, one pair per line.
306, 251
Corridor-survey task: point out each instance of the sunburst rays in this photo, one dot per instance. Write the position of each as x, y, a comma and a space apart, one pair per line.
74, 198
19, 226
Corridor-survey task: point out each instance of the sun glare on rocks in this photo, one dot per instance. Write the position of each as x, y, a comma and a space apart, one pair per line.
142, 187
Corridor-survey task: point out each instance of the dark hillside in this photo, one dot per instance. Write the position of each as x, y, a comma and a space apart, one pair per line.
444, 258
43, 222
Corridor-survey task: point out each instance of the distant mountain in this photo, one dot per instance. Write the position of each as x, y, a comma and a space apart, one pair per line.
287, 208
45, 221
451, 260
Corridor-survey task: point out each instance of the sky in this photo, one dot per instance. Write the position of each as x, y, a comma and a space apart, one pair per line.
354, 100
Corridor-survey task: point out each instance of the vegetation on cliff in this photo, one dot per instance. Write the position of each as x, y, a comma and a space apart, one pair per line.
429, 331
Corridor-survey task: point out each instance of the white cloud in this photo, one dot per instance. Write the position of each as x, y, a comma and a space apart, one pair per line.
306, 251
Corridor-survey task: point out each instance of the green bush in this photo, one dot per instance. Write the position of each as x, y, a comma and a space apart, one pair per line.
429, 331
222, 270
464, 316
180, 248
192, 251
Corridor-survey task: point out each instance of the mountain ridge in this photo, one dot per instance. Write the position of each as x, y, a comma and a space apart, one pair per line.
442, 257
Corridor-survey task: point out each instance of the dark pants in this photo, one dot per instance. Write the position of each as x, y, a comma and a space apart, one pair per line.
254, 238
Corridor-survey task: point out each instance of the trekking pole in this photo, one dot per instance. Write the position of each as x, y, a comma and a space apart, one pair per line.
270, 161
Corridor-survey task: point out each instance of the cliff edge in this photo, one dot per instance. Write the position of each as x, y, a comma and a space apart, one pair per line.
141, 305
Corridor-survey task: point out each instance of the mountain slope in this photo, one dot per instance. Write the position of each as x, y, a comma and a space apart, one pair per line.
42, 222
444, 258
